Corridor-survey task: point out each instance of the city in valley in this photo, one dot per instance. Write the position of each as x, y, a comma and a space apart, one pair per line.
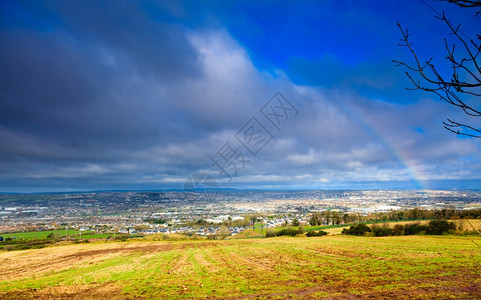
216, 212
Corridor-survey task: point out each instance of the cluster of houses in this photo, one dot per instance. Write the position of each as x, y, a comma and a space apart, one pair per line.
203, 231
221, 219
215, 227
283, 221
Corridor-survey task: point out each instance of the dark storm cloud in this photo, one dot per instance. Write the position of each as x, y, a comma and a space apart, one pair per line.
91, 76
109, 94
82, 84
142, 41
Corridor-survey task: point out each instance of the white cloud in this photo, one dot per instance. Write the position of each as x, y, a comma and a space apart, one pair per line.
304, 159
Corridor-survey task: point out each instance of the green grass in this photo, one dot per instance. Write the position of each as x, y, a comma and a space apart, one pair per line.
93, 235
37, 234
282, 267
59, 233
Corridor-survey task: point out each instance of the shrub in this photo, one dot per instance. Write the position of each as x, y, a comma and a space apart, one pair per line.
416, 228
271, 233
316, 233
287, 231
381, 231
357, 229
300, 230
53, 236
84, 241
473, 232
398, 229
440, 227
437, 227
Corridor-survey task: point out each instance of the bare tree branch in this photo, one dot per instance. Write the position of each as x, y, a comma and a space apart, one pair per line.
465, 78
451, 124
466, 3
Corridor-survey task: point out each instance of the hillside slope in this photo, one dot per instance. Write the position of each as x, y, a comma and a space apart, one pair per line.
332, 266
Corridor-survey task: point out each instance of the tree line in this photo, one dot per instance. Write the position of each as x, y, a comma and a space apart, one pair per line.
435, 227
335, 218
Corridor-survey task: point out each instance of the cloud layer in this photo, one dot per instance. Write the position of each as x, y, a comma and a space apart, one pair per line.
134, 96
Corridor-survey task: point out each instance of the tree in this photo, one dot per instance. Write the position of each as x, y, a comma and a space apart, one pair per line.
464, 79
336, 218
327, 216
315, 220
414, 213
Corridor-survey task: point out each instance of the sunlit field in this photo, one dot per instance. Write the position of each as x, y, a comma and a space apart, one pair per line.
297, 267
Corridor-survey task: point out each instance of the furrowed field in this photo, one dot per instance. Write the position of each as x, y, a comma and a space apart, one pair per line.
285, 267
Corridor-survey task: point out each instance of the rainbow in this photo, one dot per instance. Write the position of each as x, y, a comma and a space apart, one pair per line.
408, 165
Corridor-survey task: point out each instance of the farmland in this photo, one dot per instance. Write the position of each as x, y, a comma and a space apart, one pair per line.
298, 267
59, 233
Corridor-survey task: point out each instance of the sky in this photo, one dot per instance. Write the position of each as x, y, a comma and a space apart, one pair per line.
149, 95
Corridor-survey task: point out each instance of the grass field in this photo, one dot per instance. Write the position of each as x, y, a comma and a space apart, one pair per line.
43, 234
336, 267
